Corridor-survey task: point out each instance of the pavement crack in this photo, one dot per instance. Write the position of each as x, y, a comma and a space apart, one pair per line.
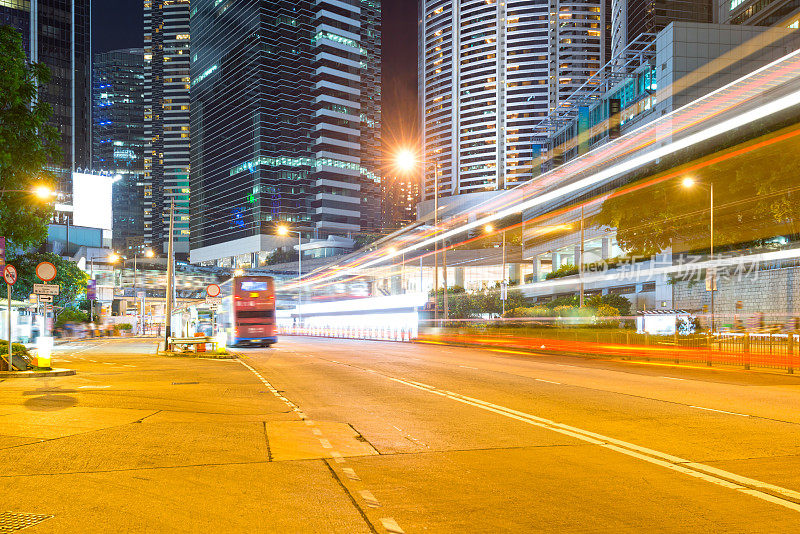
350, 496
266, 440
147, 416
125, 469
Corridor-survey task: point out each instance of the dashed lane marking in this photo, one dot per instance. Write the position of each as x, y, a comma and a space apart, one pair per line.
93, 387
388, 523
719, 411
468, 367
369, 498
391, 525
350, 472
671, 378
548, 381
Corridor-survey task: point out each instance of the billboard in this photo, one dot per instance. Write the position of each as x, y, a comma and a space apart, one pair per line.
91, 200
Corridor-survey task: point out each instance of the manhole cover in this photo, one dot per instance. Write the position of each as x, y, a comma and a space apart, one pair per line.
11, 521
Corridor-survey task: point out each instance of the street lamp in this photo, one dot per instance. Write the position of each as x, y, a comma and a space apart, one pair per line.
407, 160
283, 231
688, 183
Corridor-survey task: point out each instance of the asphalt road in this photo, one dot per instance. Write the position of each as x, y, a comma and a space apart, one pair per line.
333, 435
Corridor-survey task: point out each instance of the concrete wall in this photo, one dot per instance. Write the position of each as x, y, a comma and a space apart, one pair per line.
770, 289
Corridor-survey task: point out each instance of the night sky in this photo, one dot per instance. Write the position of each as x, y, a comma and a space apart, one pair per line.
118, 24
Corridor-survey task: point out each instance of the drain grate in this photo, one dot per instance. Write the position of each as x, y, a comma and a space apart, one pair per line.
11, 521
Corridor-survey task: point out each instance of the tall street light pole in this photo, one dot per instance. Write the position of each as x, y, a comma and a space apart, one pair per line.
689, 182
406, 160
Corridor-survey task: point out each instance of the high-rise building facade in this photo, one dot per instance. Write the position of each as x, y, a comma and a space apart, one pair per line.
631, 18
399, 198
57, 33
759, 12
490, 72
285, 123
166, 119
118, 138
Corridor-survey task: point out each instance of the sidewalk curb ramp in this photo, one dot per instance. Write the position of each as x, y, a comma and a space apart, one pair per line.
36, 374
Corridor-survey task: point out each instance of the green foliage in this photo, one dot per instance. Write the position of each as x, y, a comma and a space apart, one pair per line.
605, 310
565, 270
71, 315
536, 311
127, 327
27, 143
618, 302
18, 348
754, 200
463, 305
69, 277
282, 256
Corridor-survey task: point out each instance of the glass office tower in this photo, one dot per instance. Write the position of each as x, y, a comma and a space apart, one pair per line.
57, 33
118, 138
285, 121
166, 119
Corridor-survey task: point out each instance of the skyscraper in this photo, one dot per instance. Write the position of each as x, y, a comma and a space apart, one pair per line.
166, 119
285, 122
490, 72
58, 34
118, 137
631, 18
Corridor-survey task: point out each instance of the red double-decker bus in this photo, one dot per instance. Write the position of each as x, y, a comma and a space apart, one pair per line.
247, 311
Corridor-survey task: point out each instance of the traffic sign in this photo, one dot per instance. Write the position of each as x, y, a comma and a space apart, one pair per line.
46, 299
46, 289
213, 290
46, 271
10, 275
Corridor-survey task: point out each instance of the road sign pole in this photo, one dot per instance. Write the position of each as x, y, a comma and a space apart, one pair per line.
10, 353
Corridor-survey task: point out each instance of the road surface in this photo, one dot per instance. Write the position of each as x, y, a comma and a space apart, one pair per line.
334, 435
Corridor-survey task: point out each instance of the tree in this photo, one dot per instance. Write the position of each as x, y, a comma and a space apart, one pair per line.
754, 185
27, 143
69, 277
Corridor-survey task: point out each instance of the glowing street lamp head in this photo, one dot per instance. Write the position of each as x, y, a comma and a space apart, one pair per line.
688, 182
392, 251
406, 160
283, 230
488, 228
149, 253
238, 272
43, 192
113, 257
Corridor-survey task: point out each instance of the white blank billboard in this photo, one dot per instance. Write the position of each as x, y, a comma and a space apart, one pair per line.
91, 200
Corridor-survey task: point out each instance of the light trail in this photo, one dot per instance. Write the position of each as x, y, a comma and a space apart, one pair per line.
514, 201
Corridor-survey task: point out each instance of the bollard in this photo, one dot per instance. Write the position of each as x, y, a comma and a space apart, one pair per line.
790, 352
747, 351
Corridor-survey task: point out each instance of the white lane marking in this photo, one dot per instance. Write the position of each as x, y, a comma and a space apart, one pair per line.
337, 456
325, 443
467, 367
108, 363
548, 381
719, 411
126, 365
671, 378
369, 498
316, 431
350, 472
391, 525
93, 361
674, 463
93, 387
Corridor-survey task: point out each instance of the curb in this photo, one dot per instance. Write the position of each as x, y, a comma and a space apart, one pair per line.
198, 355
36, 374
